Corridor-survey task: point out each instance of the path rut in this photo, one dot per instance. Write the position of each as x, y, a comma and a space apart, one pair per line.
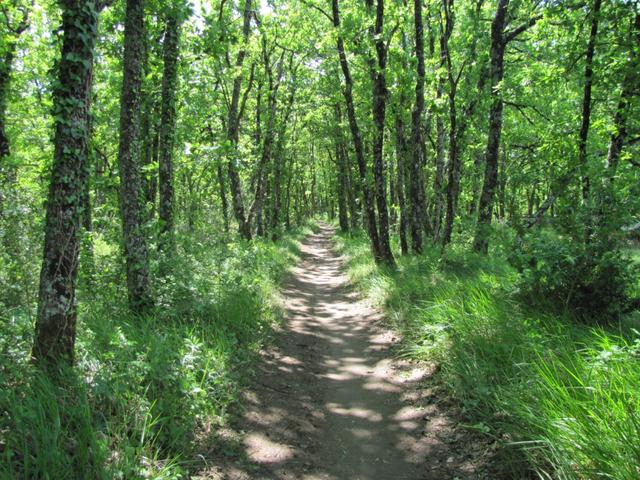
330, 402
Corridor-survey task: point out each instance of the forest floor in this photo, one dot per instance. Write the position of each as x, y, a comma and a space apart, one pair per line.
330, 400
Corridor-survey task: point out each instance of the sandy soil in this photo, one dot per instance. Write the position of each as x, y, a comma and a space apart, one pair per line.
330, 401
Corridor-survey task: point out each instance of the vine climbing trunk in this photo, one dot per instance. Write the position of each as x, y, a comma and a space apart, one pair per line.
135, 245
168, 125
56, 316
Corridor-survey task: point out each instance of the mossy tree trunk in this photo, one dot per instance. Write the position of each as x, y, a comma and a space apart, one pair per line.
57, 314
135, 245
168, 125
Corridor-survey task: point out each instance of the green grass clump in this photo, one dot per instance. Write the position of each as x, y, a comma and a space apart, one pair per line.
145, 391
562, 394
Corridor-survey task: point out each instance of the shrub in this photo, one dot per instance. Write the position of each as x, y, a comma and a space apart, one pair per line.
592, 281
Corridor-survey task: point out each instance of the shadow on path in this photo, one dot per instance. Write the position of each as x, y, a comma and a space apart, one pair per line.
331, 403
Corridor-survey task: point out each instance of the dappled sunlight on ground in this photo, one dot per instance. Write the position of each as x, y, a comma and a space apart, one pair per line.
330, 402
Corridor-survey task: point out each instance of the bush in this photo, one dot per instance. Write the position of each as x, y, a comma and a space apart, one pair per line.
592, 281
145, 391
560, 398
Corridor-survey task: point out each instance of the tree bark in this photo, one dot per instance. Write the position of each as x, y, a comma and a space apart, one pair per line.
356, 138
233, 127
7, 172
224, 203
57, 314
379, 111
401, 161
279, 161
445, 64
415, 177
171, 50
135, 245
586, 101
485, 210
341, 167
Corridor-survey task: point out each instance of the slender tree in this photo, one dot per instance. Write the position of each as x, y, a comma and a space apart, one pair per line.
379, 110
233, 129
415, 175
499, 40
171, 52
356, 136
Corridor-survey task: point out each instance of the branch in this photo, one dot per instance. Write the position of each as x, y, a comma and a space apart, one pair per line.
246, 92
521, 109
393, 32
518, 30
315, 7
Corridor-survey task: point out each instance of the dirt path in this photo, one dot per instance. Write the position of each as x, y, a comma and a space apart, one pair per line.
331, 403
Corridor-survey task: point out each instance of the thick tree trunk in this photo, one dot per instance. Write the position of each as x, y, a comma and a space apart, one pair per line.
415, 177
56, 320
233, 127
485, 209
168, 126
341, 187
135, 246
356, 137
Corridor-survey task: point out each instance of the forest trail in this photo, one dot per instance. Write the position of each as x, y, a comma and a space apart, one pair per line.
330, 402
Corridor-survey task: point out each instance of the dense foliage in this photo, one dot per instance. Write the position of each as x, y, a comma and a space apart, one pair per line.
159, 158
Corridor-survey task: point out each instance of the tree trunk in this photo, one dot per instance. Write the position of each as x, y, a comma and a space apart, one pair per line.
401, 156
56, 320
352, 193
233, 126
415, 177
342, 180
379, 110
485, 210
457, 131
224, 203
5, 76
7, 172
356, 137
135, 246
168, 126
279, 161
586, 101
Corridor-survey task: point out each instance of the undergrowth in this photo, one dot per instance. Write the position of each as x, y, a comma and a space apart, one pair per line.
145, 390
562, 393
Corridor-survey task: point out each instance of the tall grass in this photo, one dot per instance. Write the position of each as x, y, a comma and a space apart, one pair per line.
561, 395
145, 391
